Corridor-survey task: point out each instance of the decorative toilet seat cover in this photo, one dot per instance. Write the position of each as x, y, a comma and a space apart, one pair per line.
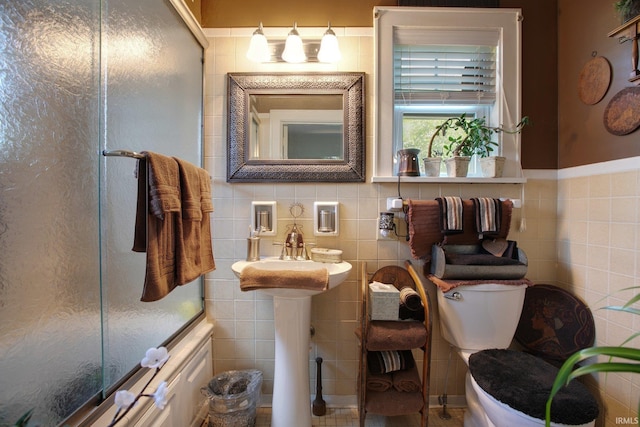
554, 324
523, 382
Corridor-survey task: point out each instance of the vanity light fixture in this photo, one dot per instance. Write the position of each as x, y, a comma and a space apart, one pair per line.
258, 47
294, 50
329, 48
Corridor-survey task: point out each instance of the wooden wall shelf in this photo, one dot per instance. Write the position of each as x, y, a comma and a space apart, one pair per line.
630, 31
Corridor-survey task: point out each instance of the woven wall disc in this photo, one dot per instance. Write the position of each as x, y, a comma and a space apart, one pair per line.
622, 115
594, 80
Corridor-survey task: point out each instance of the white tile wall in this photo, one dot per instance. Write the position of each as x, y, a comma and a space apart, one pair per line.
599, 254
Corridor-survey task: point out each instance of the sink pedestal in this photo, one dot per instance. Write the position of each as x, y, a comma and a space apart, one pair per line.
292, 314
291, 396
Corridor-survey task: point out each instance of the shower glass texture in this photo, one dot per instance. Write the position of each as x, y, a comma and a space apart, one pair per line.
152, 101
77, 77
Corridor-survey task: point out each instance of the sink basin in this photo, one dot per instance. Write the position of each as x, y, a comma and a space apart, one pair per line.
338, 272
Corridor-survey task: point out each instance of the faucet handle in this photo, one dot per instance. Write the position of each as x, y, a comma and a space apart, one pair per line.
306, 250
282, 251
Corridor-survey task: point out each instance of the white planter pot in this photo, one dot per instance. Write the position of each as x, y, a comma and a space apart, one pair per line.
432, 166
457, 166
492, 167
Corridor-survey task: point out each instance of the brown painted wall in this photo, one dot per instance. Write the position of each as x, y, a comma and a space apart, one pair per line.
539, 82
195, 6
283, 13
583, 139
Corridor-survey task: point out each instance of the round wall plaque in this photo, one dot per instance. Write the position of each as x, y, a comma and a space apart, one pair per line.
594, 80
622, 115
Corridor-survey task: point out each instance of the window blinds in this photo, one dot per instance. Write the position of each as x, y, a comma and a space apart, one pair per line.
444, 66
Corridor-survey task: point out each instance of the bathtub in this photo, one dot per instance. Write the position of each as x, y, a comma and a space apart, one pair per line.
22, 351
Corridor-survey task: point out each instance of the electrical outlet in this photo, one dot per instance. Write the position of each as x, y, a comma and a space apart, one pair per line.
394, 204
517, 203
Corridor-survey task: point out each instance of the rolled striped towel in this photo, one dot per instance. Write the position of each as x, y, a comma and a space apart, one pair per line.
487, 213
450, 214
410, 298
410, 305
381, 362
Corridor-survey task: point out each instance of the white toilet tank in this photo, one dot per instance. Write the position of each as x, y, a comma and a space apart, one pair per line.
482, 316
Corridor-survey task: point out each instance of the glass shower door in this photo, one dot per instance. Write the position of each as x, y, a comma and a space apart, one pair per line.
152, 101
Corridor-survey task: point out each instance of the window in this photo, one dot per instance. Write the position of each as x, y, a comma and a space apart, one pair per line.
436, 63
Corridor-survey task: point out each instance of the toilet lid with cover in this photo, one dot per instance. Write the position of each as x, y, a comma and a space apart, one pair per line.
554, 324
523, 382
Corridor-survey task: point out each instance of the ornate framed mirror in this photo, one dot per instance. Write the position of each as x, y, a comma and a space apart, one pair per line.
295, 127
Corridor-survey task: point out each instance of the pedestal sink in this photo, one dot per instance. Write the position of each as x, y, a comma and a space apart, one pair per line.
292, 314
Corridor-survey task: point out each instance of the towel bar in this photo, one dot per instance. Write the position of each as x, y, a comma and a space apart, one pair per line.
122, 153
127, 153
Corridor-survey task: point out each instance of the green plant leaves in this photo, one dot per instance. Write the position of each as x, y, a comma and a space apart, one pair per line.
568, 373
24, 419
477, 136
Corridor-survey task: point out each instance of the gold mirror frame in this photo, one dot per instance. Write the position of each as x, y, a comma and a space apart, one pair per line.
240, 86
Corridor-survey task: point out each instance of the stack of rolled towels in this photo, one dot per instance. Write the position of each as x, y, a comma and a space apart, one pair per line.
397, 368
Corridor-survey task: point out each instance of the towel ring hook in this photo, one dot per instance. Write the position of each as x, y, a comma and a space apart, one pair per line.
296, 210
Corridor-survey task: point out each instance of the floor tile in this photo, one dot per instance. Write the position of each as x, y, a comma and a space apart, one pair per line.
348, 417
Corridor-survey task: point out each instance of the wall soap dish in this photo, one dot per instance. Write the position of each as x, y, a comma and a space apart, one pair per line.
326, 255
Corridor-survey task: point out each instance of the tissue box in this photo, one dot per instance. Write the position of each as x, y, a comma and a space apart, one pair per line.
384, 301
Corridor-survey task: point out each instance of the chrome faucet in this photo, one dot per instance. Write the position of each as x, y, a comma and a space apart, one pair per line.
294, 244
294, 248
289, 256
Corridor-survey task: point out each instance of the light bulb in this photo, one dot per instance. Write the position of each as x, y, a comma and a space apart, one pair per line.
293, 49
329, 49
258, 47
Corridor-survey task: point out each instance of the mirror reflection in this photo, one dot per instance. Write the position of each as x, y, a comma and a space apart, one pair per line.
296, 127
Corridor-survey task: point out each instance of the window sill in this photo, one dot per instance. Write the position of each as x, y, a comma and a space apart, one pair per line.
451, 180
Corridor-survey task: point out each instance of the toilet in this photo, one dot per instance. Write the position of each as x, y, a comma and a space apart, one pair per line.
480, 321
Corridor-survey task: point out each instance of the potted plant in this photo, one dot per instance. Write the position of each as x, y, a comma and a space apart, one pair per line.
432, 165
474, 138
627, 9
622, 358
457, 152
431, 162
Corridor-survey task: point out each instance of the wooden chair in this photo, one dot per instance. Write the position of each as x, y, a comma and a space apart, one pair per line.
399, 277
